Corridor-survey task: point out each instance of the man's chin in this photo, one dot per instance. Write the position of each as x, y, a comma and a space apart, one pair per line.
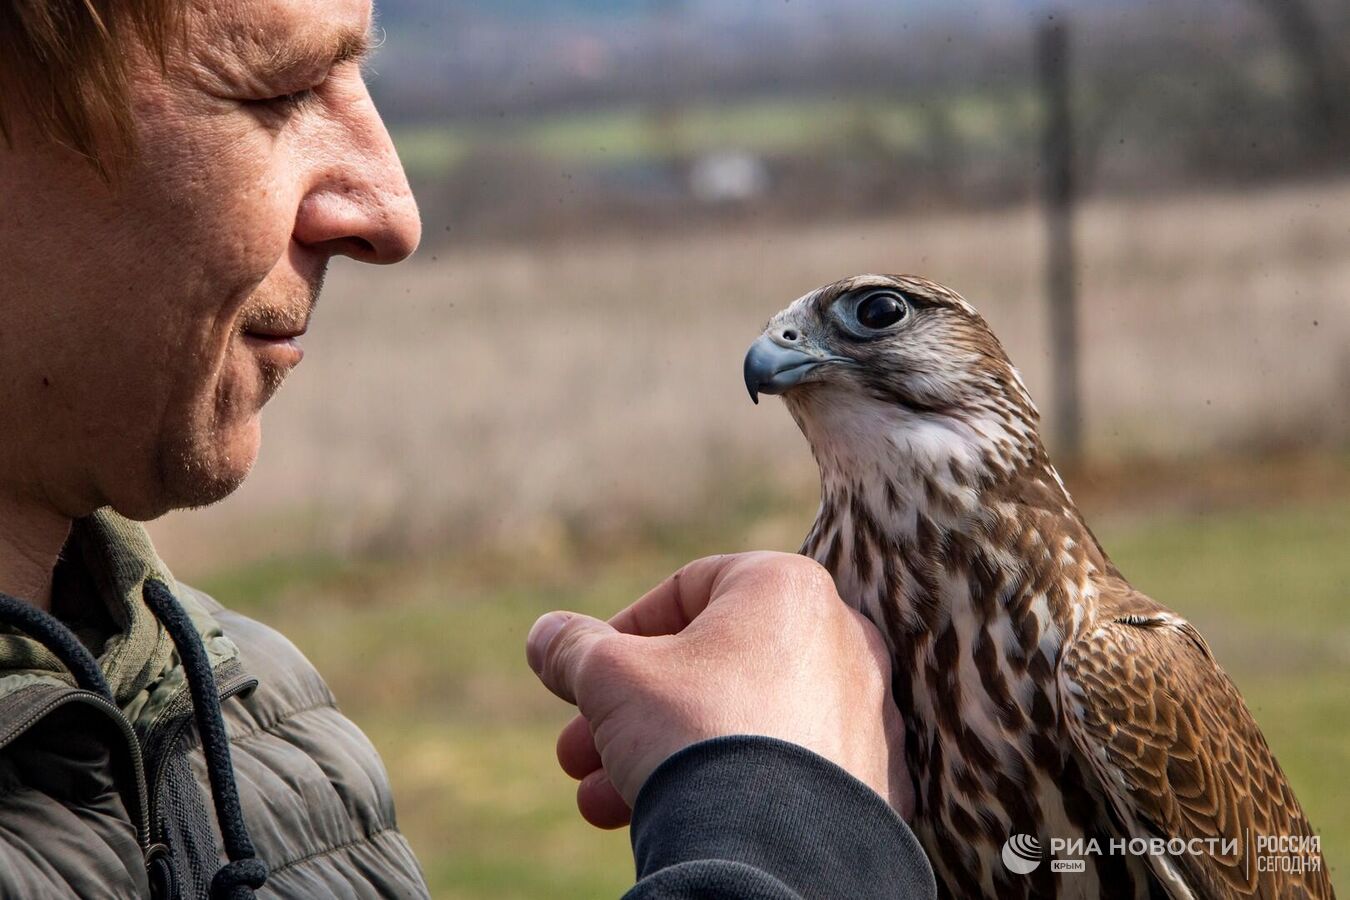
206, 489
191, 475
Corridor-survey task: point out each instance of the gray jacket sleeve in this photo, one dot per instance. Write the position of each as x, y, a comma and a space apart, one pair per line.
754, 817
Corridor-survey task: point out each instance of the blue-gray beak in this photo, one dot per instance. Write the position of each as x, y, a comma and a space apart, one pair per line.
771, 368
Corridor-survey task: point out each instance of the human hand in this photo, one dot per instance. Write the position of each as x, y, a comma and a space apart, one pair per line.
754, 643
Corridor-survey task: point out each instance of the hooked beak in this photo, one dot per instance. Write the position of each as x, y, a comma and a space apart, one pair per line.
772, 368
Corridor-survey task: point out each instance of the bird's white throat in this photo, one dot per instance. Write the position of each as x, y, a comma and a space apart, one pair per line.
903, 484
857, 440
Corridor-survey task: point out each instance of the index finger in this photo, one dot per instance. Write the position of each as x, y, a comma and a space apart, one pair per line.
669, 607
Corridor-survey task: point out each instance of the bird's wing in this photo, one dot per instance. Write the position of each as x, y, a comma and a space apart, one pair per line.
1172, 742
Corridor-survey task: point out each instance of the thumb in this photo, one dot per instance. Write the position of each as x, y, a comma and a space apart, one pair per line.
557, 647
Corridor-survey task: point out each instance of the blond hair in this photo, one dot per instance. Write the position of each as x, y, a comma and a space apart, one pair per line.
63, 63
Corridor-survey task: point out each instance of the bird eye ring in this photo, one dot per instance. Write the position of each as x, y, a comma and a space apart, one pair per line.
881, 309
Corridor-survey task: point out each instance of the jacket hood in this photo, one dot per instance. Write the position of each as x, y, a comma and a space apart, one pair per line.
138, 660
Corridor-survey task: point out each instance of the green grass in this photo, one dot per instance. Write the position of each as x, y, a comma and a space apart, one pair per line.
1271, 593
770, 126
427, 656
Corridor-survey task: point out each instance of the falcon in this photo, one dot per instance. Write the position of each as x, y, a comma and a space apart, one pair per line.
1046, 701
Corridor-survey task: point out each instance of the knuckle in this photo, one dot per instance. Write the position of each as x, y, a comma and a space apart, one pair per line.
813, 573
605, 654
811, 581
804, 590
758, 562
567, 653
606, 661
792, 566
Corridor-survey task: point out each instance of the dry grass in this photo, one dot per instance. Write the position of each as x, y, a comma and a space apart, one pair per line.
523, 391
426, 655
575, 413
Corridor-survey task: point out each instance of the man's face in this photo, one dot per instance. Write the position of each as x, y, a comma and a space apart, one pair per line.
143, 325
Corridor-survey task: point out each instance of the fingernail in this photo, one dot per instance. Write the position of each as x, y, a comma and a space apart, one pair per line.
541, 635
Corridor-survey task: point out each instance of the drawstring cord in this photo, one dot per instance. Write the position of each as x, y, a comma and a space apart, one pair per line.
52, 633
59, 639
245, 872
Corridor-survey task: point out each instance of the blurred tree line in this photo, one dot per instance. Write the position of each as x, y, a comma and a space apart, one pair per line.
1319, 58
870, 114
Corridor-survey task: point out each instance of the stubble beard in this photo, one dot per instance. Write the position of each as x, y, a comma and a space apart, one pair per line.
201, 465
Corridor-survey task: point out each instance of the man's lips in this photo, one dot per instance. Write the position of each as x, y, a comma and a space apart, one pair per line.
279, 346
273, 330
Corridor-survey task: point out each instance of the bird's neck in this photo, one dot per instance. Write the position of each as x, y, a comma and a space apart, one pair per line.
934, 517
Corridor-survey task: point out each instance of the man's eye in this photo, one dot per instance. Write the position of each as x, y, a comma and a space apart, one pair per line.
285, 103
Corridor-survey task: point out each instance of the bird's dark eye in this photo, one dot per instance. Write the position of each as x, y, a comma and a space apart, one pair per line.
881, 309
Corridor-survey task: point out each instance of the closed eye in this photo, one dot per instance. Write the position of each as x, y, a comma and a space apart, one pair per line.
285, 103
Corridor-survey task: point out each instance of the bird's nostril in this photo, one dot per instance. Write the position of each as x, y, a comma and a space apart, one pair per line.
790, 335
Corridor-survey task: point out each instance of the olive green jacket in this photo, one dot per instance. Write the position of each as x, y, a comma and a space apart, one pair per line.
89, 789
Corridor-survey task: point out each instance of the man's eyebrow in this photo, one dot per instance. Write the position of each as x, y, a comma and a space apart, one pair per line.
343, 45
353, 45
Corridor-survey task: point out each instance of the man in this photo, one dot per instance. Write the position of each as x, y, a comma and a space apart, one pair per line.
174, 179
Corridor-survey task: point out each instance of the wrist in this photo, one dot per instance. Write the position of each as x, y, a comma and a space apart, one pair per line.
778, 807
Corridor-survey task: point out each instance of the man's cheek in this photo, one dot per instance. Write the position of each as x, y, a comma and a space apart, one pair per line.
228, 214
230, 263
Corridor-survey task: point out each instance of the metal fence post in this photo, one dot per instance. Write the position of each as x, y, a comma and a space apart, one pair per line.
1060, 273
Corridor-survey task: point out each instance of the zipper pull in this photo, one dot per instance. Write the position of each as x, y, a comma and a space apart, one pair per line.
159, 869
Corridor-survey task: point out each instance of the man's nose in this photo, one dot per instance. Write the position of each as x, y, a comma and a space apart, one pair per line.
360, 205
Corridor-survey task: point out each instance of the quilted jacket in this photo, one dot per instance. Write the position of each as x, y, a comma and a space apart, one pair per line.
105, 789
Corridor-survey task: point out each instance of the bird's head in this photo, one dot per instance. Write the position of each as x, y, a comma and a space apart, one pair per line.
893, 362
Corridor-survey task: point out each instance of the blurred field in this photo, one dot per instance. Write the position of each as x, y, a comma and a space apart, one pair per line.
491, 432
428, 657
769, 126
518, 393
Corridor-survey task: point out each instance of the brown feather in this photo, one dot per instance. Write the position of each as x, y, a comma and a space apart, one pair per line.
1042, 694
